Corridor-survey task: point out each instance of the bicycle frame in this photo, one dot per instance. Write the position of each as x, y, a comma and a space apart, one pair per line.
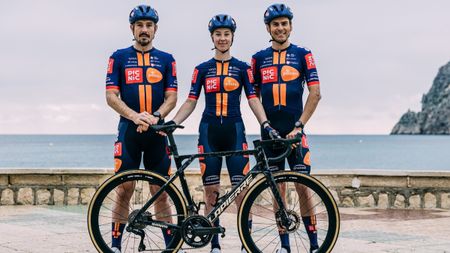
225, 201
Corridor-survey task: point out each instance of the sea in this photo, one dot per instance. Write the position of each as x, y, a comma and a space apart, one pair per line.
328, 152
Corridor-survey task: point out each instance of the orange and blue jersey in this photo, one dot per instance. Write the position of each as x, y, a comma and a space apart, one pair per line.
141, 77
280, 76
223, 82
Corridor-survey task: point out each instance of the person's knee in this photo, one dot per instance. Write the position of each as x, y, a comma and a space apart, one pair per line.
211, 192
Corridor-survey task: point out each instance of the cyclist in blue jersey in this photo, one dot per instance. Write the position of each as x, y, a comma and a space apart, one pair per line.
221, 128
141, 86
281, 72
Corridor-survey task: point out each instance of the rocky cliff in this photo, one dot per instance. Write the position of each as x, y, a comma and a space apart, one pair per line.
434, 118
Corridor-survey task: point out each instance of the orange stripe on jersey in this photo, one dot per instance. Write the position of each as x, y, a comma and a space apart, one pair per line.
225, 104
110, 87
141, 98
170, 89
139, 59
148, 98
218, 68
283, 94
283, 57
276, 94
275, 58
146, 59
218, 103
225, 68
313, 83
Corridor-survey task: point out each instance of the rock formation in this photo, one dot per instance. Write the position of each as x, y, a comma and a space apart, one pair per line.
434, 118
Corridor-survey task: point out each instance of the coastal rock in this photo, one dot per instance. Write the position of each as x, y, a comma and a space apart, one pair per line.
434, 118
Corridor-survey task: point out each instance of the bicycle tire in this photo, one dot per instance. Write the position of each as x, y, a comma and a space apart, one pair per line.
100, 212
258, 206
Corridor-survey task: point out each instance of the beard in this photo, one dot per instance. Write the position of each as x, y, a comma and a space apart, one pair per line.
143, 42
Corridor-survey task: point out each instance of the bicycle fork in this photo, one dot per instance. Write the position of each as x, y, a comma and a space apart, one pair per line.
281, 215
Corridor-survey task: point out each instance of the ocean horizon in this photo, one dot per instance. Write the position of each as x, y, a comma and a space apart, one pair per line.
328, 152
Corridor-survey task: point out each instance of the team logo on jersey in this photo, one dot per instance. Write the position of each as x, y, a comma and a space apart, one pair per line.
212, 84
133, 75
289, 73
174, 68
230, 84
269, 74
310, 64
194, 76
251, 79
110, 65
118, 149
153, 75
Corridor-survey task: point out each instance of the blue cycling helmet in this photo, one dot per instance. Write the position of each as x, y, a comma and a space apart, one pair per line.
222, 21
277, 10
142, 12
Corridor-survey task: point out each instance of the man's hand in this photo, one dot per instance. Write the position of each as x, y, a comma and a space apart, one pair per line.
273, 134
293, 134
144, 120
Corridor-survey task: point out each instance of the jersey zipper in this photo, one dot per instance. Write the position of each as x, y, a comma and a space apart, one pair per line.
279, 80
221, 95
143, 83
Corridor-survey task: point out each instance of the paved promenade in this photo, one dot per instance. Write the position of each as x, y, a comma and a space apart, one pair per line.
63, 229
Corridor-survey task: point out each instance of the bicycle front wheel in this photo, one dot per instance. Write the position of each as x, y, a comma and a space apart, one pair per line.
311, 209
117, 202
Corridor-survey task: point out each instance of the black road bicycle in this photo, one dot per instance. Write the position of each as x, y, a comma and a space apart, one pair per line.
273, 201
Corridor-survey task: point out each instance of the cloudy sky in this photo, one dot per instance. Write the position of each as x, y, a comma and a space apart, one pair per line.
375, 58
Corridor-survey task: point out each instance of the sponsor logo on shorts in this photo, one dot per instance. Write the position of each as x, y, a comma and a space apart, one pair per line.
212, 84
269, 75
118, 149
133, 75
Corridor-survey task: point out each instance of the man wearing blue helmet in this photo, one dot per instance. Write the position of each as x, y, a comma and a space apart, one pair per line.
141, 86
223, 77
280, 73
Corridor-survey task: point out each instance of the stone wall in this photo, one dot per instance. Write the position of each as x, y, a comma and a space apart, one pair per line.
360, 188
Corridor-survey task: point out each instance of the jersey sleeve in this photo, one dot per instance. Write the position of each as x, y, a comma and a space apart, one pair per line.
248, 81
113, 73
256, 73
171, 83
196, 84
309, 67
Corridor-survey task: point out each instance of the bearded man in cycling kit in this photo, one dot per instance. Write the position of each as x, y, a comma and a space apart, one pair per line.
221, 128
280, 73
141, 86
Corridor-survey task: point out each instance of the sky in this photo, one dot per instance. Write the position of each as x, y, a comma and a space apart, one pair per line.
375, 58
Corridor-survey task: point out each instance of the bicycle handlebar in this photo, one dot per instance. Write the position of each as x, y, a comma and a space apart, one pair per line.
166, 128
287, 143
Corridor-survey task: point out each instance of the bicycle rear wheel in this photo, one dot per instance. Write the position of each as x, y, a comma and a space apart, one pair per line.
304, 197
120, 197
